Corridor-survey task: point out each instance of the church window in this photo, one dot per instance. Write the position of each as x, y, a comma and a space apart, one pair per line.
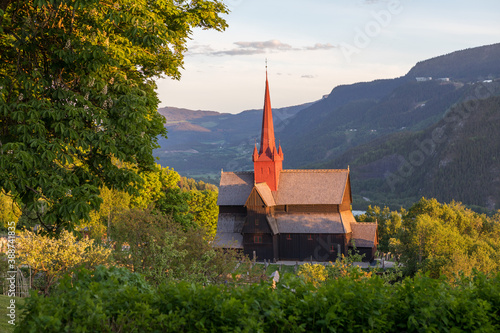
309, 237
256, 222
332, 248
288, 237
257, 239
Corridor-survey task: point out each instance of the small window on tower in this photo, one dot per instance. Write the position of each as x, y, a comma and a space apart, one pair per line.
257, 239
256, 222
309, 237
332, 248
288, 237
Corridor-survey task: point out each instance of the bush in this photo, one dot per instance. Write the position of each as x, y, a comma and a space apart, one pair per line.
116, 300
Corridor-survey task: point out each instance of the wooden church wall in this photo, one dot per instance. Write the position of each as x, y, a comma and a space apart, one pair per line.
255, 204
346, 202
322, 247
263, 250
232, 210
256, 223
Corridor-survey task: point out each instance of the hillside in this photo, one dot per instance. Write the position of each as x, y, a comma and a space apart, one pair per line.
200, 143
476, 64
458, 158
328, 133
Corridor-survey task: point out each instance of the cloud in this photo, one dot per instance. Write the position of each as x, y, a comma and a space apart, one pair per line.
319, 46
268, 45
235, 52
307, 76
257, 47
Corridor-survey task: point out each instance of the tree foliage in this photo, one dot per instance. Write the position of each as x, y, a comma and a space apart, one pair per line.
389, 223
116, 300
157, 247
77, 91
447, 239
9, 210
55, 257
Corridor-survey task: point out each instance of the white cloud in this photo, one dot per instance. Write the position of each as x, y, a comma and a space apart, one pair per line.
319, 46
257, 47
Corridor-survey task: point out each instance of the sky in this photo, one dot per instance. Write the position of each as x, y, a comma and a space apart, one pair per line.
315, 45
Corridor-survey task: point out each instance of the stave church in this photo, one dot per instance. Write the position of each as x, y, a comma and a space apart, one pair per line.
275, 214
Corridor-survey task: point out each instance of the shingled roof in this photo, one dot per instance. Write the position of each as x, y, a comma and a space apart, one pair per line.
311, 187
265, 194
364, 234
347, 219
235, 187
309, 223
229, 228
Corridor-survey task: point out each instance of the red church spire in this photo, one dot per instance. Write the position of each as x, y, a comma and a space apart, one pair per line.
267, 142
268, 162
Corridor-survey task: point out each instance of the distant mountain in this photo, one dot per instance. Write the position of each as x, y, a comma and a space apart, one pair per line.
200, 143
476, 64
347, 127
458, 158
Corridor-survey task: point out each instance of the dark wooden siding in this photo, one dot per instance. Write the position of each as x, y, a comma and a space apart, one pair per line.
255, 202
262, 250
368, 252
256, 223
232, 209
322, 247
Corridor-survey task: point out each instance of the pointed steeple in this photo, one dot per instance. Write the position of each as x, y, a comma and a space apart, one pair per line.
267, 141
268, 161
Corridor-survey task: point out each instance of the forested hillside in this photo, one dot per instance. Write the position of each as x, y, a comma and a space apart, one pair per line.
458, 158
354, 122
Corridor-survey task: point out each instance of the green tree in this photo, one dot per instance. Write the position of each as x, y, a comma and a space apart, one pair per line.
9, 210
77, 91
203, 207
447, 239
157, 247
55, 257
113, 203
389, 224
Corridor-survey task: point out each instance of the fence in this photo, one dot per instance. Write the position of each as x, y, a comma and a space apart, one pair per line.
22, 284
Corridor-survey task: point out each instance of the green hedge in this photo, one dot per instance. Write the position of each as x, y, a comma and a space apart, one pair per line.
115, 300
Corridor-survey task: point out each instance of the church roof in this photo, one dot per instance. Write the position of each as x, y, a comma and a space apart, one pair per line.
273, 224
347, 219
267, 141
364, 234
311, 187
296, 187
265, 194
309, 223
229, 228
235, 187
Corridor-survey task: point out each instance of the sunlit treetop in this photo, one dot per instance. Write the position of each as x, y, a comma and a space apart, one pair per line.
77, 93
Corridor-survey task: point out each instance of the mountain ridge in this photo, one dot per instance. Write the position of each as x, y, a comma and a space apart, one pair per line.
324, 132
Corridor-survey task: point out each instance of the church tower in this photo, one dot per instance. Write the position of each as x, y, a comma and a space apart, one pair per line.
267, 162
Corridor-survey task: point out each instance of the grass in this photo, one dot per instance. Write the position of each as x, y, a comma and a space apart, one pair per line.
5, 327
